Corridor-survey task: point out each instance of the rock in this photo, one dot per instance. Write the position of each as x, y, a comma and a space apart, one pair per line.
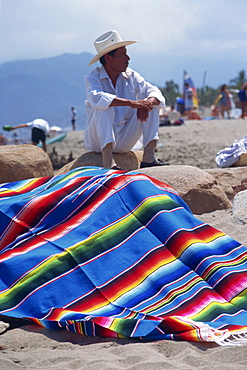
13, 322
240, 187
3, 326
196, 187
228, 178
127, 161
239, 209
20, 162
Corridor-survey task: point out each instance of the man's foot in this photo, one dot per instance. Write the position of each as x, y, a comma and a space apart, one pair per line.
156, 162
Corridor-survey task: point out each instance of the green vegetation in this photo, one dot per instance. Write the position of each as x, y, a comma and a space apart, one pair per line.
206, 95
238, 81
170, 92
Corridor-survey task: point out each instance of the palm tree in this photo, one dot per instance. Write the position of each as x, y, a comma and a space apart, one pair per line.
207, 95
170, 91
238, 81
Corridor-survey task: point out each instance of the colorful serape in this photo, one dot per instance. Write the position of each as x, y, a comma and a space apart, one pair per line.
114, 254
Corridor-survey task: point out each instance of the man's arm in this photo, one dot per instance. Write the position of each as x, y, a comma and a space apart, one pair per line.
120, 102
142, 106
19, 126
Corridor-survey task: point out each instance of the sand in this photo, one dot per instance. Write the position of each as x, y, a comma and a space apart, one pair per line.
195, 143
31, 347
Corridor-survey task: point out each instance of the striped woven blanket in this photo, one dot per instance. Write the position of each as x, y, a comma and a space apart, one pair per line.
114, 254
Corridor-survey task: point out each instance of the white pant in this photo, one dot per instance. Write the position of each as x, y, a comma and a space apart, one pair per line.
102, 130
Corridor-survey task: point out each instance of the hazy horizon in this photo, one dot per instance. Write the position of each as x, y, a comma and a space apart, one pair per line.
203, 38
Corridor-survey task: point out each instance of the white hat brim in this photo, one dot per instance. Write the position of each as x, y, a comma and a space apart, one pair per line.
110, 48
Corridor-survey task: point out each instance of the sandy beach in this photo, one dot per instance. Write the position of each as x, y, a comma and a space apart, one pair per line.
30, 347
195, 143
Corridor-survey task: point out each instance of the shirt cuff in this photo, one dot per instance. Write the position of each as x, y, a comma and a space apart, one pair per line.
159, 97
105, 101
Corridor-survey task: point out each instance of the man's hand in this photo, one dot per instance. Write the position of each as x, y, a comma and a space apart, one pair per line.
142, 106
142, 114
145, 106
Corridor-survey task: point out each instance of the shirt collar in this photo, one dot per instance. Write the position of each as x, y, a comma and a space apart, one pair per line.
104, 74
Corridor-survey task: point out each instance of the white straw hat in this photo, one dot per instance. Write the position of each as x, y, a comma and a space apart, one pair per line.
107, 42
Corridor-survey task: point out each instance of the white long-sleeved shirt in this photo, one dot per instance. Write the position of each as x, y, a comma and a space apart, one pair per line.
130, 85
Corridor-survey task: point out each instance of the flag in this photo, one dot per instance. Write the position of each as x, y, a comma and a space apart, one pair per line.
188, 79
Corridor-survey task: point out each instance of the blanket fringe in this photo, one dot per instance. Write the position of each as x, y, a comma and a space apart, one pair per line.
232, 339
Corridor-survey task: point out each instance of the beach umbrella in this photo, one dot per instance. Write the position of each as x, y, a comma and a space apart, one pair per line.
56, 129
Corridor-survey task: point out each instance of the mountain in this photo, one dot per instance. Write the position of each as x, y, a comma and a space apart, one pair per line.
44, 88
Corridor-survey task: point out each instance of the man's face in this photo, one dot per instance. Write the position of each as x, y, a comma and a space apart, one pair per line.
120, 61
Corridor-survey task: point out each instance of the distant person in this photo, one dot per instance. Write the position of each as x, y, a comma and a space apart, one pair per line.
215, 111
164, 120
121, 106
174, 115
40, 128
188, 100
73, 118
242, 94
3, 140
15, 138
179, 105
194, 114
223, 99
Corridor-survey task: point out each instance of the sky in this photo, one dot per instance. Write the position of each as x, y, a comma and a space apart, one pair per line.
206, 38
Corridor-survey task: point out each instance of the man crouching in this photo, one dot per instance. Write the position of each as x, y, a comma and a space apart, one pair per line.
121, 106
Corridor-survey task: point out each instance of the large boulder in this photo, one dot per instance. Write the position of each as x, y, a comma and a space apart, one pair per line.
229, 178
198, 188
127, 161
239, 209
20, 162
